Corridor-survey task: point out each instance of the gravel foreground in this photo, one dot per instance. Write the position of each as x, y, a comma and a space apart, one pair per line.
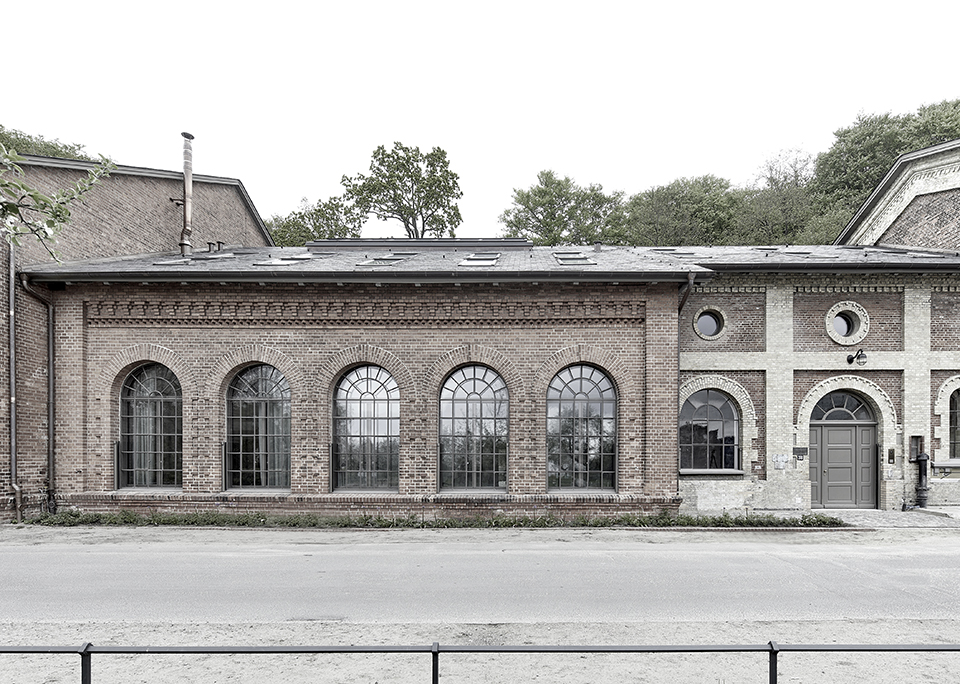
816, 668
730, 668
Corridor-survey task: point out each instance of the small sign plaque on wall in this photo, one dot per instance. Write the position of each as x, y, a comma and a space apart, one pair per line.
799, 453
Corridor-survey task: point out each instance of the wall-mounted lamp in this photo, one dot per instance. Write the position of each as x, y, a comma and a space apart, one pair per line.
860, 357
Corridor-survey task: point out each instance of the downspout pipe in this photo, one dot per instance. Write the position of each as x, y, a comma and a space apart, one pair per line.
51, 396
691, 277
12, 301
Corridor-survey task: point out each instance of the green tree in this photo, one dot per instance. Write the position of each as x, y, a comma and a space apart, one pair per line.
23, 143
333, 219
557, 211
863, 153
688, 211
779, 209
24, 210
417, 189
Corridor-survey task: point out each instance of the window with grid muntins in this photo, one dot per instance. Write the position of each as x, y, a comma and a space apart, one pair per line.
709, 432
366, 427
151, 428
258, 429
955, 425
474, 413
581, 429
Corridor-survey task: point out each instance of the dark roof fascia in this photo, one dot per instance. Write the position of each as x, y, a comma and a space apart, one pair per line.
401, 277
83, 165
835, 268
899, 167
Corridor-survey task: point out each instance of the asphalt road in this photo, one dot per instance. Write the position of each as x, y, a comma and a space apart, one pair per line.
178, 575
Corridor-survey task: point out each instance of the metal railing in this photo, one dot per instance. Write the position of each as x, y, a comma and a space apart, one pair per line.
772, 648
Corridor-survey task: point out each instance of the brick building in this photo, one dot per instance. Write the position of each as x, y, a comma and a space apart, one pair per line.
457, 376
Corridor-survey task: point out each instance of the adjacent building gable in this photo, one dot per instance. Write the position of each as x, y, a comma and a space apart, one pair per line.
915, 205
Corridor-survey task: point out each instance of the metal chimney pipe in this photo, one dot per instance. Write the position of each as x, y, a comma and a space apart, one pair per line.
186, 249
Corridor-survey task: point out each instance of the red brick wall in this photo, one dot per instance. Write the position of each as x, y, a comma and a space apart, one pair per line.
745, 325
884, 308
123, 214
314, 333
928, 221
130, 214
944, 320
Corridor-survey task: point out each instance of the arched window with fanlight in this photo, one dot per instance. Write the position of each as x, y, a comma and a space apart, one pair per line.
151, 428
474, 413
709, 432
258, 429
366, 430
581, 429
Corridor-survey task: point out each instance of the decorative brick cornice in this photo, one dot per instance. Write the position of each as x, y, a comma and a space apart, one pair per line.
703, 289
843, 289
585, 312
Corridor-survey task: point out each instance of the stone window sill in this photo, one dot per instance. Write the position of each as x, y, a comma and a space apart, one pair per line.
711, 471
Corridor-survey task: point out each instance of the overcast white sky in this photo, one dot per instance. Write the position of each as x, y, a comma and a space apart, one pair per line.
289, 96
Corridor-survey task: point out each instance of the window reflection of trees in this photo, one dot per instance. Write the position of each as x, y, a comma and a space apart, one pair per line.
258, 428
709, 432
581, 429
151, 428
366, 426
474, 415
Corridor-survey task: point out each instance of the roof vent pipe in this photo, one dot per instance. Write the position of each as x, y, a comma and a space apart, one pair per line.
186, 249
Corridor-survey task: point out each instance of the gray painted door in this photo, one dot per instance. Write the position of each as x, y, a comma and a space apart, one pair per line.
843, 466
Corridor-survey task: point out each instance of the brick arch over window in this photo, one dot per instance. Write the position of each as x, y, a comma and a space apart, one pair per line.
941, 433
225, 367
607, 361
362, 355
474, 354
878, 401
740, 396
115, 371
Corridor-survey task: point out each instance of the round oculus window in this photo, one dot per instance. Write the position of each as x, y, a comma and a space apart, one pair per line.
847, 323
709, 323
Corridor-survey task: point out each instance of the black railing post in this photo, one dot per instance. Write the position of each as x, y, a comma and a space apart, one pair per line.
86, 675
774, 650
435, 655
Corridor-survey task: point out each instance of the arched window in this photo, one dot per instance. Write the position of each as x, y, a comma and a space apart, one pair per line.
581, 429
954, 425
709, 432
366, 430
474, 414
841, 406
151, 428
258, 429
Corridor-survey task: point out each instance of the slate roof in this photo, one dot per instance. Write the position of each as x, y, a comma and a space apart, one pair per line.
445, 260
491, 260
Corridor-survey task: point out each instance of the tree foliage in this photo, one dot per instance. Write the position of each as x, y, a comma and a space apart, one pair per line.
557, 211
330, 220
417, 189
796, 199
24, 143
688, 211
26, 211
862, 153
